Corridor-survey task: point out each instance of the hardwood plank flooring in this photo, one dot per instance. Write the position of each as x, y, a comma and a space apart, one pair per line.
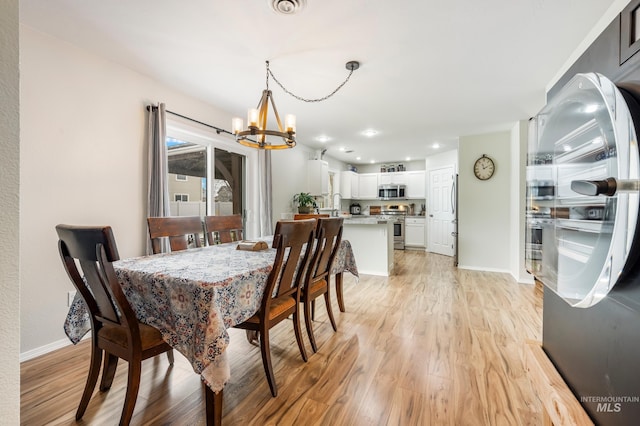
431, 345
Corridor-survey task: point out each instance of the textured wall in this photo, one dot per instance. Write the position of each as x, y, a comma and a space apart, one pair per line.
9, 219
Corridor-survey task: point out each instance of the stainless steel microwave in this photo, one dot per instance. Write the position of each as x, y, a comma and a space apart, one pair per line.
391, 192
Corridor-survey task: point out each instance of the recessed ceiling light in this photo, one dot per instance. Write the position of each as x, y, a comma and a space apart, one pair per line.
435, 145
372, 161
323, 138
408, 159
287, 7
342, 148
370, 132
358, 158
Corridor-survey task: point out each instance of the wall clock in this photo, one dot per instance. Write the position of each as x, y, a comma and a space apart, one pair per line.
484, 168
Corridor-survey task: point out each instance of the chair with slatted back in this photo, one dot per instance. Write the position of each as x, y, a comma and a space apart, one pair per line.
316, 283
301, 216
87, 254
281, 296
223, 229
182, 232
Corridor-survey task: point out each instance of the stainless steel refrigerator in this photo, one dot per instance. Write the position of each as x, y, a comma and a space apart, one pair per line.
454, 210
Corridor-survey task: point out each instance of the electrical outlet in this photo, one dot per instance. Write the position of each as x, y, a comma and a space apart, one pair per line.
70, 296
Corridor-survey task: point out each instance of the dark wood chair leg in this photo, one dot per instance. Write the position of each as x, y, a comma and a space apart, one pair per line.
170, 357
308, 318
253, 337
266, 359
214, 406
298, 332
109, 371
327, 302
92, 379
133, 385
339, 291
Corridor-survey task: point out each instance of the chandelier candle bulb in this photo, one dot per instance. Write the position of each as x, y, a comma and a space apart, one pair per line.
252, 117
236, 125
290, 123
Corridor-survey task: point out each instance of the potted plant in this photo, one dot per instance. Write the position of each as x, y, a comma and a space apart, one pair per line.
305, 201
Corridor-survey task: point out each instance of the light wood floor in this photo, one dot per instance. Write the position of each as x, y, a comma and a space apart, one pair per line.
431, 345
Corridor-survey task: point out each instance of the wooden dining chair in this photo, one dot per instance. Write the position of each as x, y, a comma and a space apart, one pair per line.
87, 254
300, 216
316, 283
180, 230
223, 229
281, 296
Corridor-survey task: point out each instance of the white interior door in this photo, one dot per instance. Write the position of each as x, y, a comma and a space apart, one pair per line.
440, 211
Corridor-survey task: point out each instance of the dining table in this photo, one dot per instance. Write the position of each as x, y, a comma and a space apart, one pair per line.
193, 296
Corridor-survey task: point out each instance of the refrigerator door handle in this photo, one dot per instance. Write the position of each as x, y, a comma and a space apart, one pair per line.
453, 190
610, 186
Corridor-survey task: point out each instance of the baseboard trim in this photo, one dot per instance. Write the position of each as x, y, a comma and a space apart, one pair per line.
484, 269
43, 350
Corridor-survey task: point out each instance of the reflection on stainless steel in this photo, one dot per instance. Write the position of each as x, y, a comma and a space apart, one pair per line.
578, 240
395, 213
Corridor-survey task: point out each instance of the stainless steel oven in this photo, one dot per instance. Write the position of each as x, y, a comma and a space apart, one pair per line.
398, 233
396, 214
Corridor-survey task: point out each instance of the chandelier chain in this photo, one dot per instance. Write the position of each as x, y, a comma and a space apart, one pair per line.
300, 98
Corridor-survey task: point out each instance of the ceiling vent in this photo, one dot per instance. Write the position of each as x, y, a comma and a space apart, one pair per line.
287, 7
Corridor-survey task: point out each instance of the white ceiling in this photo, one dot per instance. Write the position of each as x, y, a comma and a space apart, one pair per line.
431, 71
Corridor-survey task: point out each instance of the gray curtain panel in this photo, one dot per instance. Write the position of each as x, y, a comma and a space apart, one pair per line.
158, 201
265, 209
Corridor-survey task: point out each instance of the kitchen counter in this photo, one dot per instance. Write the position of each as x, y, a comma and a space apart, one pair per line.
365, 220
372, 243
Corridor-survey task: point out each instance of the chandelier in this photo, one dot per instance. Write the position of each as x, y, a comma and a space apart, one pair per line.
257, 118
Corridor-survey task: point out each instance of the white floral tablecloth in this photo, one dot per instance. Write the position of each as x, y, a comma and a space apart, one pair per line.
193, 296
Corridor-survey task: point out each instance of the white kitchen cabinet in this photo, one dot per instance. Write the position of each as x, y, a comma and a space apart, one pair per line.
349, 185
416, 184
396, 178
317, 177
368, 186
414, 235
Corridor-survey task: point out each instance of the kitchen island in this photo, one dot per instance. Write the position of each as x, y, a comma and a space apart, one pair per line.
372, 243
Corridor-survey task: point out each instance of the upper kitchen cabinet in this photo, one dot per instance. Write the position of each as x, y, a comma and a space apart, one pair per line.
395, 178
349, 185
416, 184
368, 186
317, 177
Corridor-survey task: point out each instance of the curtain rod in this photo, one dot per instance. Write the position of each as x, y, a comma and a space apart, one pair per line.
217, 129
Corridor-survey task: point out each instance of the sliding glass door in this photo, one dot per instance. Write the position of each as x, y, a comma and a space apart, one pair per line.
207, 174
229, 171
188, 178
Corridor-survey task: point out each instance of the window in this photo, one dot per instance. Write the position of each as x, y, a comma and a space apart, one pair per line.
207, 173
